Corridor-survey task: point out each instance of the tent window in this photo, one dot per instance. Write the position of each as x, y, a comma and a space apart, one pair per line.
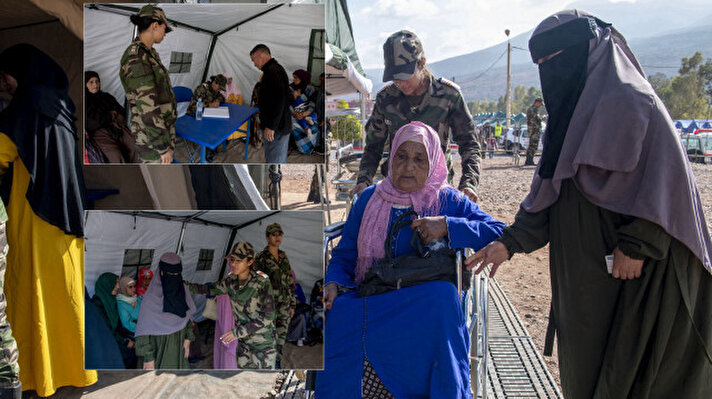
317, 55
205, 259
180, 62
135, 259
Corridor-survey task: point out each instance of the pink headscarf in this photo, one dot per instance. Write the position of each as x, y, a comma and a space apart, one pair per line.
230, 88
425, 202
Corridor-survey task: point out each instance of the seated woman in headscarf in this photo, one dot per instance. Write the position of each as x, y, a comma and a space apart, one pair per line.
145, 275
251, 300
369, 340
305, 126
128, 303
613, 180
43, 190
106, 122
164, 329
231, 93
105, 290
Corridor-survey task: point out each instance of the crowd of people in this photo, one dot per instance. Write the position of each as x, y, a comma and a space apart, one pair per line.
152, 320
290, 114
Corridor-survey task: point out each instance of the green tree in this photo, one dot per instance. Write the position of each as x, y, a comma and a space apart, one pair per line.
347, 128
687, 95
342, 104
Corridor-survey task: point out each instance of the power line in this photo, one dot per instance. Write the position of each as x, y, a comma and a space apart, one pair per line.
485, 71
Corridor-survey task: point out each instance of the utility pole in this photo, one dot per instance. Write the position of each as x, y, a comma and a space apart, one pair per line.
508, 96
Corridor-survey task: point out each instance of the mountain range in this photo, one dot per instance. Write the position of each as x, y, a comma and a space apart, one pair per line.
657, 41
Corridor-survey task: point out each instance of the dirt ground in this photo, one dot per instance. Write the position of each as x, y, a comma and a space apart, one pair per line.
525, 278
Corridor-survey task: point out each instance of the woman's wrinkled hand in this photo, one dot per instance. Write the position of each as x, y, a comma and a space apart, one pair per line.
494, 253
331, 291
149, 365
625, 267
430, 228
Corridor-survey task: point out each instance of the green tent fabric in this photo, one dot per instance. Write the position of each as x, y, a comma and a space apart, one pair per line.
339, 31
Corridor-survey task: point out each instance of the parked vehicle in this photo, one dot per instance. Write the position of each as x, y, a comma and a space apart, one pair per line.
698, 147
519, 136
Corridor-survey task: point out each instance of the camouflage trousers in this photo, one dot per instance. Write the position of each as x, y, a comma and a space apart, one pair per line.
281, 327
533, 142
256, 355
9, 368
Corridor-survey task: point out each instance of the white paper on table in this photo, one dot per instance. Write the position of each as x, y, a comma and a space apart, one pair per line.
219, 112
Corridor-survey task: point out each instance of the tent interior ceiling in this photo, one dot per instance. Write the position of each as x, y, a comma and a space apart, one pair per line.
110, 234
233, 28
19, 13
212, 18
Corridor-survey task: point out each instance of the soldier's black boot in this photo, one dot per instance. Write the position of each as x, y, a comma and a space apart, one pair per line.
529, 162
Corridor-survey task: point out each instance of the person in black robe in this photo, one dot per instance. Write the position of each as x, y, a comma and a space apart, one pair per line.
615, 198
106, 122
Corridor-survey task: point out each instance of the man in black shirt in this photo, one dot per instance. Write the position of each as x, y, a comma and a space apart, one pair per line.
275, 118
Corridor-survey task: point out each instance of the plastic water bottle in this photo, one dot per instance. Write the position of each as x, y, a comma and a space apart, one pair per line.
199, 110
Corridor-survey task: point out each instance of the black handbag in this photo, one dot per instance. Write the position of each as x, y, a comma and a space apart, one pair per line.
411, 269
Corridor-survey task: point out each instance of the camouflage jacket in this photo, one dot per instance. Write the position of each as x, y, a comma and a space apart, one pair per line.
151, 100
252, 304
207, 94
533, 119
443, 108
280, 274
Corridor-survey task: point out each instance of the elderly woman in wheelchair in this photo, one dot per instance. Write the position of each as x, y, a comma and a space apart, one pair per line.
395, 326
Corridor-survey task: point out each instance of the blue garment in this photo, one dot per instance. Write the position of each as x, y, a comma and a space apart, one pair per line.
415, 338
128, 314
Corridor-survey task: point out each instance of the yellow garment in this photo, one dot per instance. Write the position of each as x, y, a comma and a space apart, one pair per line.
237, 134
44, 284
497, 130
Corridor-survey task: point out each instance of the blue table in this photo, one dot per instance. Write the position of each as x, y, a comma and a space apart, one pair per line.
211, 132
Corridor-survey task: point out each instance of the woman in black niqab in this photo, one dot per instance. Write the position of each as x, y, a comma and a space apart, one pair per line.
562, 55
40, 122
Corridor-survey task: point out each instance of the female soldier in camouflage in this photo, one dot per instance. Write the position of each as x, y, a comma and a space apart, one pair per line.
148, 88
253, 307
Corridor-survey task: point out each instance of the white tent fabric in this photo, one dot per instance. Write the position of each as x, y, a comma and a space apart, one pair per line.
109, 234
285, 29
345, 81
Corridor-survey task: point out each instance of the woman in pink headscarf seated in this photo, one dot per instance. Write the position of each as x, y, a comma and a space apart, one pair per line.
231, 93
412, 342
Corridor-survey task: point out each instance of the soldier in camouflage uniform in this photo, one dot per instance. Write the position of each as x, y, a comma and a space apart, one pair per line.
148, 89
253, 307
416, 95
10, 386
275, 264
534, 128
210, 93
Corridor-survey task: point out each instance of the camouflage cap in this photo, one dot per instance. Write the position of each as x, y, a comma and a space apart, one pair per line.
401, 53
156, 13
221, 80
274, 228
243, 249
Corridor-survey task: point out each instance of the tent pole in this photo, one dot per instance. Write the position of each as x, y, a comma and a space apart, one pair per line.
233, 232
180, 239
210, 57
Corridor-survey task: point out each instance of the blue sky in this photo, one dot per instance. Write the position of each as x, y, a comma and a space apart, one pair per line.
449, 28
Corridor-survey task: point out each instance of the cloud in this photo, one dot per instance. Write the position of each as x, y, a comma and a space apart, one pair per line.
404, 8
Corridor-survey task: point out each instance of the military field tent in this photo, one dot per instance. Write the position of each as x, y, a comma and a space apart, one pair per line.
208, 39
119, 242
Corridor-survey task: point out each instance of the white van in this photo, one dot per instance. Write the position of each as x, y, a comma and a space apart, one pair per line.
519, 135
